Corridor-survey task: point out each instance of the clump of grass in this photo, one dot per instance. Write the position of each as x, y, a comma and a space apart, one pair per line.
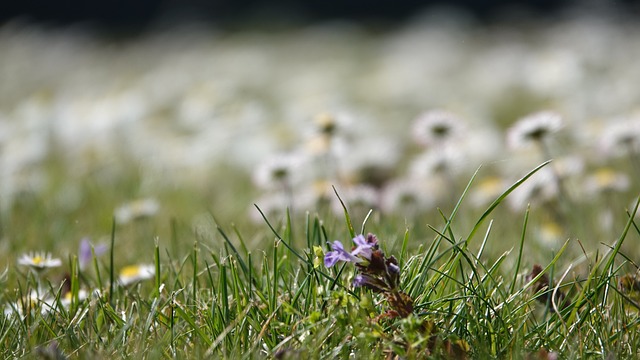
446, 297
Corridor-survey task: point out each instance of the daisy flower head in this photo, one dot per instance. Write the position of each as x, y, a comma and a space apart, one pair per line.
357, 197
435, 127
487, 190
606, 180
278, 170
272, 206
621, 137
39, 261
542, 187
533, 128
31, 302
404, 196
445, 160
137, 209
134, 273
329, 134
326, 124
67, 298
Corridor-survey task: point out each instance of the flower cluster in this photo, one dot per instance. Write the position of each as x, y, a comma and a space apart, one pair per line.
375, 271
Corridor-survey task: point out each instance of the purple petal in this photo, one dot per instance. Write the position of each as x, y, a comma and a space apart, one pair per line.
360, 240
331, 258
338, 254
100, 249
84, 253
359, 280
337, 246
363, 249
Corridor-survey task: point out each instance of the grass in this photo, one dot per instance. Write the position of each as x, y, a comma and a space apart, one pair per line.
227, 291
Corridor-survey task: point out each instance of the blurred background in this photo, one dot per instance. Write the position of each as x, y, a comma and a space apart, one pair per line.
141, 13
178, 109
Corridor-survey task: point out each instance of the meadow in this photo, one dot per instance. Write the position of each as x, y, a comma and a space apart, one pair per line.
441, 189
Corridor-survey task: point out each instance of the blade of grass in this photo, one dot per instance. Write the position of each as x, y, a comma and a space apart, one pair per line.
519, 259
346, 214
500, 198
111, 255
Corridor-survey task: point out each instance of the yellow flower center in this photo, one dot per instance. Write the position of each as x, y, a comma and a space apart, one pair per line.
37, 260
131, 270
605, 177
491, 185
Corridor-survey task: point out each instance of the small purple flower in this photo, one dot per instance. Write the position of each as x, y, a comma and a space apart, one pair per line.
370, 282
85, 253
360, 280
363, 248
338, 254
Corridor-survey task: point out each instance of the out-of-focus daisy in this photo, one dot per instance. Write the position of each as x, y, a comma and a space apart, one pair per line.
134, 273
435, 127
568, 166
279, 171
67, 298
621, 137
330, 135
606, 180
533, 128
550, 233
326, 124
312, 197
137, 209
39, 261
273, 206
370, 161
361, 197
448, 160
404, 197
487, 190
29, 303
541, 187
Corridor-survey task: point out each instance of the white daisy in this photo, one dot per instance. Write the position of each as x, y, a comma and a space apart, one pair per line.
326, 124
449, 160
606, 180
539, 188
356, 197
39, 261
533, 128
436, 126
137, 209
406, 197
273, 206
550, 233
29, 303
621, 137
134, 273
487, 190
279, 170
66, 299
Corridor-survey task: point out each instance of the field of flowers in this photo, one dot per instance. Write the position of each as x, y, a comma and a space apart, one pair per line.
199, 193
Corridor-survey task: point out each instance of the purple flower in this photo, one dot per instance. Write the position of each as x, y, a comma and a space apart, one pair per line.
338, 254
363, 248
370, 282
363, 251
360, 280
85, 254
